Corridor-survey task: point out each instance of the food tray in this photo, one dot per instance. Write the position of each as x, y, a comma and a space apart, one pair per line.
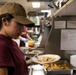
61, 71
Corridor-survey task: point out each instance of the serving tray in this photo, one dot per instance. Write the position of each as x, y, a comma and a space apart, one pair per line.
62, 70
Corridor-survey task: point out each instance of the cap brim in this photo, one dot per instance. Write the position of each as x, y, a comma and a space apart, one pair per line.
24, 20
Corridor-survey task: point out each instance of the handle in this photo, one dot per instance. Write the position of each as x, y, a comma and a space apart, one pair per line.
30, 72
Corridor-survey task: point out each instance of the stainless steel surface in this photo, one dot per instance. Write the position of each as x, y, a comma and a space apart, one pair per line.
53, 43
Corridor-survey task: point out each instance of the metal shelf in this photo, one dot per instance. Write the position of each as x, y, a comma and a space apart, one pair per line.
68, 9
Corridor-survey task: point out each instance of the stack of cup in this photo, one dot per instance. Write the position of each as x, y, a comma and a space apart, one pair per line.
73, 60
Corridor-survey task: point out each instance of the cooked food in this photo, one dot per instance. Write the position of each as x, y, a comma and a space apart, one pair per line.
56, 66
33, 52
47, 59
46, 66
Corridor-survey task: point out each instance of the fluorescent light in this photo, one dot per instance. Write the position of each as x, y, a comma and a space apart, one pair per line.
36, 4
48, 11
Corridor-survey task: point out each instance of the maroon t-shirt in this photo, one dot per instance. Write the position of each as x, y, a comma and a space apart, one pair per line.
12, 57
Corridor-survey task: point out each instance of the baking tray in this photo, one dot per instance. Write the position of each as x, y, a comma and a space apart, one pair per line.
62, 70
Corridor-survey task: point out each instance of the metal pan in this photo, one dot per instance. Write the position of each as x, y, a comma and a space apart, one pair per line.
62, 70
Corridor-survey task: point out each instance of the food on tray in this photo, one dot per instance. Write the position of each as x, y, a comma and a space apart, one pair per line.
56, 66
47, 59
33, 52
46, 66
30, 43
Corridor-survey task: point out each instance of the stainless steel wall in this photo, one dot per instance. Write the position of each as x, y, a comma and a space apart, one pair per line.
51, 43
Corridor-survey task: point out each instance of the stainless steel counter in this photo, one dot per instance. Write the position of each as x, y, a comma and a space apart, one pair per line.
74, 73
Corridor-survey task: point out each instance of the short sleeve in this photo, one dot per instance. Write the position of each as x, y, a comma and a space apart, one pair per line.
6, 57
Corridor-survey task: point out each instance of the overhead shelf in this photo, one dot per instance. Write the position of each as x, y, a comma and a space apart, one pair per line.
68, 9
